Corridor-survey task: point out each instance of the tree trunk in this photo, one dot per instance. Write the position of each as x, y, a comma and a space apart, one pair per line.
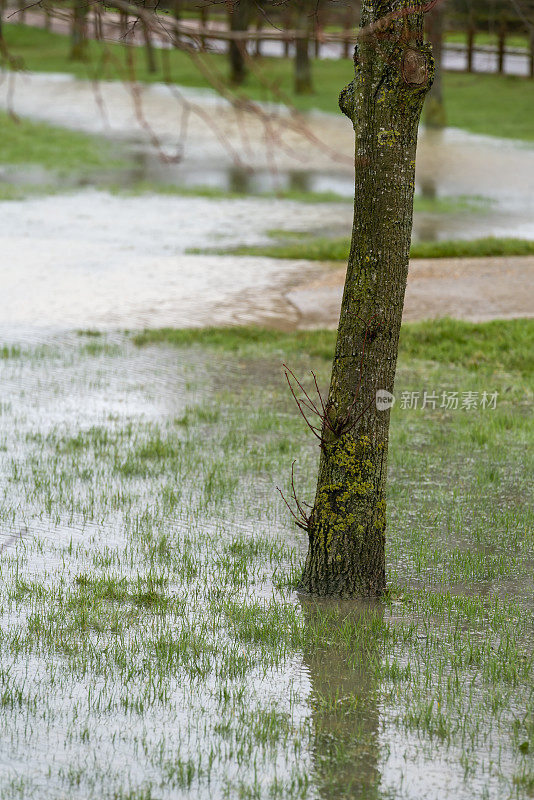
78, 49
176, 12
150, 55
393, 72
470, 46
501, 47
435, 116
303, 78
123, 24
239, 22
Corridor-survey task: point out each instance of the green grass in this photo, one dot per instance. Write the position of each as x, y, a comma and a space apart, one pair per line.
323, 248
147, 598
24, 142
492, 346
487, 104
482, 38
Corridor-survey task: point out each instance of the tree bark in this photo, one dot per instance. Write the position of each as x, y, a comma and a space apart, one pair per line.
435, 116
239, 21
303, 77
393, 72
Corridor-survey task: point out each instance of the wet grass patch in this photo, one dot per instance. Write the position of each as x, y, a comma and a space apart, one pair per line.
53, 148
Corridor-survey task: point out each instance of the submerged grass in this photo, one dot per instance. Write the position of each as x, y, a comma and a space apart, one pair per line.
147, 601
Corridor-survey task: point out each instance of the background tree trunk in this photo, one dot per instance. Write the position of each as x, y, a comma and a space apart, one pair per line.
239, 21
177, 14
150, 54
78, 48
303, 77
393, 72
435, 116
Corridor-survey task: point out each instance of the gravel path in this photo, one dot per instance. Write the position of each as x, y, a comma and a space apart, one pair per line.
474, 289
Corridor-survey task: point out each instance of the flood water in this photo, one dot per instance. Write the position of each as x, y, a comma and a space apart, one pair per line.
91, 707
127, 469
188, 138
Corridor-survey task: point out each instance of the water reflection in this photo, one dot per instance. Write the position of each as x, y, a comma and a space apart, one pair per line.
342, 665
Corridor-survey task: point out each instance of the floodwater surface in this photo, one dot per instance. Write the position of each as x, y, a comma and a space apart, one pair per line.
206, 142
97, 260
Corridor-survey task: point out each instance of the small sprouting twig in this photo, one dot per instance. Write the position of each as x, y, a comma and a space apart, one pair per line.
311, 406
318, 408
301, 519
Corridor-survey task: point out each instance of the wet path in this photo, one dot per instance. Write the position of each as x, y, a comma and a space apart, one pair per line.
473, 289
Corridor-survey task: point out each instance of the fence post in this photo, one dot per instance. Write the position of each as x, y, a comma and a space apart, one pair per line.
347, 29
531, 55
316, 33
259, 25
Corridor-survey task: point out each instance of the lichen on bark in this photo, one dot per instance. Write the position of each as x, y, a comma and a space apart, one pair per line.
393, 72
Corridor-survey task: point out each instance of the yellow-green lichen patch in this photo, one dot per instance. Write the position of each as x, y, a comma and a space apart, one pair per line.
352, 501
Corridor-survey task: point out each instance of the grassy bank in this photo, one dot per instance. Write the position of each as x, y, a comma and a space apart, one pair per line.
50, 158
492, 346
51, 147
486, 104
322, 248
149, 563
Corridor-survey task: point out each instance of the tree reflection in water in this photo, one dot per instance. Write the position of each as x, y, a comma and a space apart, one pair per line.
342, 660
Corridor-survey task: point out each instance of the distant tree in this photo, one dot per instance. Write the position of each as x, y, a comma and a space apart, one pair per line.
435, 116
303, 73
240, 14
78, 47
